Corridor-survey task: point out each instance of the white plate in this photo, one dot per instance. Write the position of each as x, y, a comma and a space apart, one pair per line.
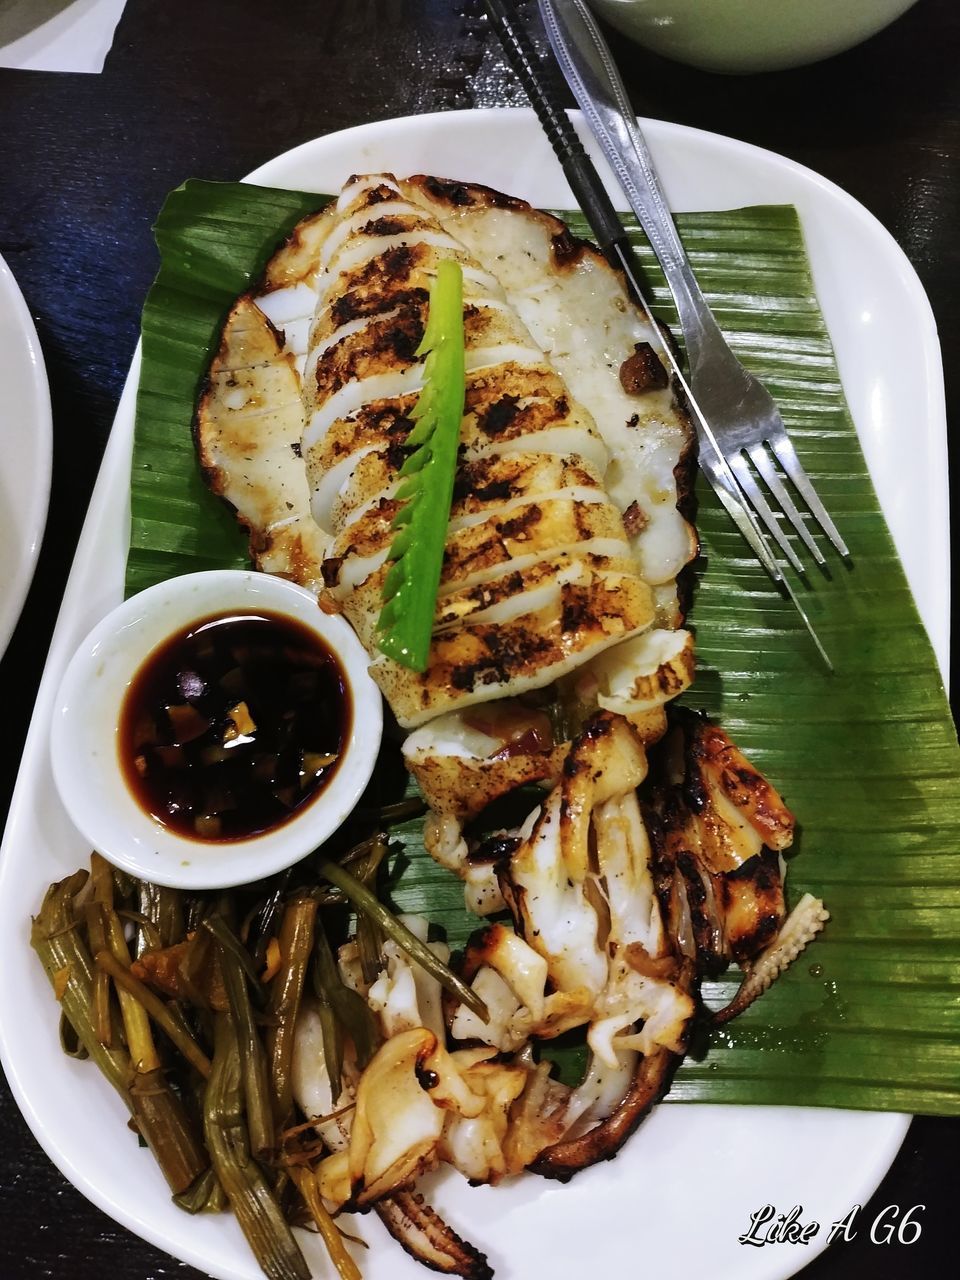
26, 450
684, 1188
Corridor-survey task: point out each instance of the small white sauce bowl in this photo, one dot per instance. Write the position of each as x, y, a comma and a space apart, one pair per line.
84, 747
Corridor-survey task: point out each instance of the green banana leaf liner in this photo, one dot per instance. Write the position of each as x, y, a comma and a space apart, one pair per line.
867, 757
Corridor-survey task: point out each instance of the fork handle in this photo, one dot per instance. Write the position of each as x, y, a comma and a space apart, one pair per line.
591, 73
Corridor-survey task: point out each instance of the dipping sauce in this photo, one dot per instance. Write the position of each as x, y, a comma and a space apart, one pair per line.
233, 725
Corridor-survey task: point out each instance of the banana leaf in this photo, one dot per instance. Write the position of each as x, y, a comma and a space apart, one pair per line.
867, 757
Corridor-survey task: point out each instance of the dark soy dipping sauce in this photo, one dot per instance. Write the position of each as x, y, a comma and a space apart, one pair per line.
233, 725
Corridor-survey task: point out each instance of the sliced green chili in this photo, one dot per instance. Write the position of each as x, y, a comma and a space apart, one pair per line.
410, 586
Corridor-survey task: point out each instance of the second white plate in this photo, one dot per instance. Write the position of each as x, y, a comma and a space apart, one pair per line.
26, 433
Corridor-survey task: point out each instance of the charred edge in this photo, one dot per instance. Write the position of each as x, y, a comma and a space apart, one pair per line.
294, 241
397, 453
406, 1211
509, 584
275, 331
387, 420
684, 474
493, 491
388, 268
463, 195
355, 304
213, 476
204, 392
650, 1082
643, 371
256, 543
386, 226
494, 851
576, 608
381, 425
518, 527
694, 788
689, 721
507, 651
479, 946
566, 249
395, 341
663, 865
701, 918
669, 341
205, 388
686, 589
600, 725
751, 784
749, 946
763, 870
330, 571
499, 416
373, 195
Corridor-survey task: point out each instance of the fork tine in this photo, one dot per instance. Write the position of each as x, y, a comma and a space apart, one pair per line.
782, 448
724, 482
761, 506
761, 460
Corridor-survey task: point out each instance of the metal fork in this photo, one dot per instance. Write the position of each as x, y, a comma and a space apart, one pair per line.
741, 416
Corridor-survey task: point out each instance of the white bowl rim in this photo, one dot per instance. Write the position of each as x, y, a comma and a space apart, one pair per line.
86, 715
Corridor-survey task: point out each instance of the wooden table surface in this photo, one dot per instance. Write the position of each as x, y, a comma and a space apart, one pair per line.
213, 89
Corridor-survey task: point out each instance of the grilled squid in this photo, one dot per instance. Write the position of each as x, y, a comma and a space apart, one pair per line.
596, 943
557, 649
538, 572
588, 949
247, 430
542, 570
405, 1214
719, 829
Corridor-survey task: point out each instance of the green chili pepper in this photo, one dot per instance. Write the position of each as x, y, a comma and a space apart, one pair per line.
410, 587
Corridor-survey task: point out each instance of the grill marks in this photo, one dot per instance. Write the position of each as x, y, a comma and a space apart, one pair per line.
503, 555
534, 522
356, 305
534, 539
571, 300
717, 828
462, 195
537, 572
497, 599
393, 341
495, 478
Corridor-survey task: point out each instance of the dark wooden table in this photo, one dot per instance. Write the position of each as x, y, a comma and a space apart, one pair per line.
212, 89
